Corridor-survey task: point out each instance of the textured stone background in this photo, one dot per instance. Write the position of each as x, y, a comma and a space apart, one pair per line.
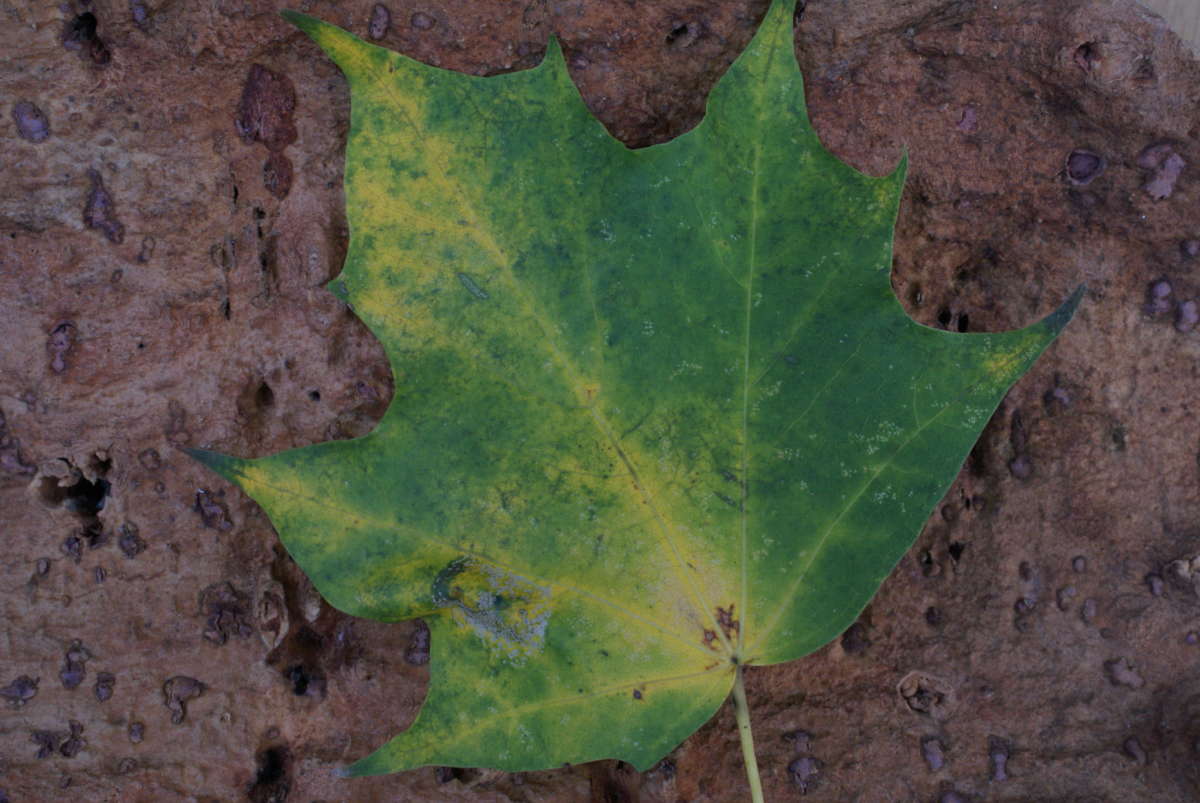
1182, 15
161, 269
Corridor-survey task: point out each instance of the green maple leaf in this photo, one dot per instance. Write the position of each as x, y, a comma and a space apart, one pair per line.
658, 414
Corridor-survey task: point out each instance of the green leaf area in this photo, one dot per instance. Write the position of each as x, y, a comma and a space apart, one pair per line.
657, 413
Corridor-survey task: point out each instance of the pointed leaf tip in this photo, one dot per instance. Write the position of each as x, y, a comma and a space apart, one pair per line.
227, 466
363, 768
339, 45
1058, 319
301, 21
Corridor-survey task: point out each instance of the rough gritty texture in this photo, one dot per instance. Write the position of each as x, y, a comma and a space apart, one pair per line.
1023, 632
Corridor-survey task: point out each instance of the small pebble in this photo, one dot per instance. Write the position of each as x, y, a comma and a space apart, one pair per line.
1088, 612
933, 753
47, 742
804, 772
32, 124
74, 668
1021, 467
177, 691
422, 21
1190, 248
1186, 316
72, 547
104, 685
1079, 564
968, 121
1064, 597
1152, 156
801, 739
998, 756
1133, 748
1158, 300
381, 20
20, 691
1057, 398
1162, 183
75, 742
1122, 672
130, 543
1155, 583
1083, 167
43, 567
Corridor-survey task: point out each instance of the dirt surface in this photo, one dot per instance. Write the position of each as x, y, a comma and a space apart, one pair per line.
171, 205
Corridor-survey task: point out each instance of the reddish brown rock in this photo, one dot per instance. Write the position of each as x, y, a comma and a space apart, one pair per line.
175, 340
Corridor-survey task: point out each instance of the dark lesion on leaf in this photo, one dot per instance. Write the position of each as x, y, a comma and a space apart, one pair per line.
728, 623
727, 500
729, 476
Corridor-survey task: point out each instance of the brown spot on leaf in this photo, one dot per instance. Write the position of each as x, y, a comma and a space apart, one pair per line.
728, 624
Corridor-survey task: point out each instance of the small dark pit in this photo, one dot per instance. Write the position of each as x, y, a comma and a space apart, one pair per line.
1083, 167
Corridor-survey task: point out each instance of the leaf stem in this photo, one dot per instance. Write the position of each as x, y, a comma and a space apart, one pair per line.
743, 722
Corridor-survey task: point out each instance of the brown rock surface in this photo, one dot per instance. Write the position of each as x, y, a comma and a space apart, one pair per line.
1037, 674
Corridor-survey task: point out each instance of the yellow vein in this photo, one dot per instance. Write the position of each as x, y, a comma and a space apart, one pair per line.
752, 266
529, 573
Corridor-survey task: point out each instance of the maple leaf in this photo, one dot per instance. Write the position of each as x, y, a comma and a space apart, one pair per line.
658, 415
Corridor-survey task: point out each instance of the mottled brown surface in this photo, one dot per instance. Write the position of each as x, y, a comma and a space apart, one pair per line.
1033, 645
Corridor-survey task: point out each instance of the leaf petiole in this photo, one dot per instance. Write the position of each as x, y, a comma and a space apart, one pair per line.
742, 711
